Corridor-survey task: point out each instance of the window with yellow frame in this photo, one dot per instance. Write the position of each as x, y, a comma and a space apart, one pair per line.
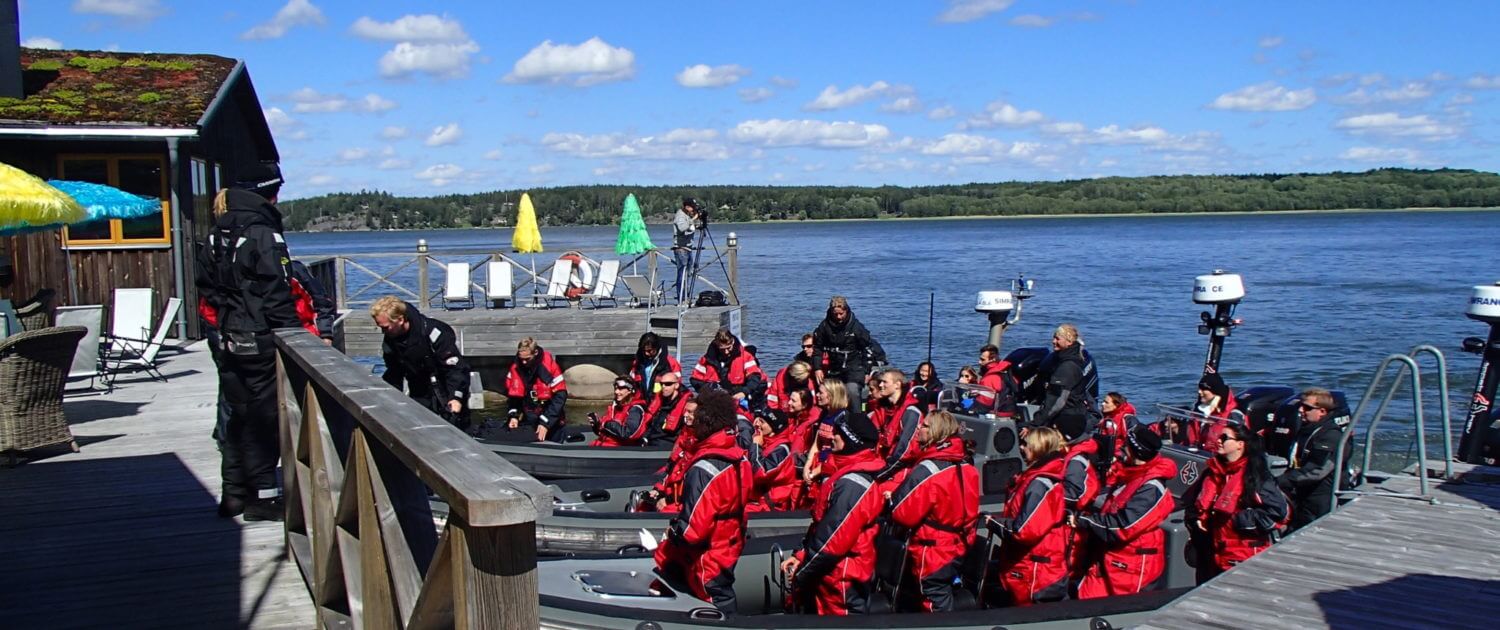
144, 175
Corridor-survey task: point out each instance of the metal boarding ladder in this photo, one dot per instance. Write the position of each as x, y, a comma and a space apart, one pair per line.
1408, 363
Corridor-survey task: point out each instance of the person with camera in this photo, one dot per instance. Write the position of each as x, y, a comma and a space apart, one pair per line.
535, 392
422, 353
664, 494
685, 227
847, 349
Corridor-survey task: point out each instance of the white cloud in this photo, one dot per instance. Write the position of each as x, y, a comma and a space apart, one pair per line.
129, 9
1484, 82
808, 133
1271, 41
1393, 124
310, 101
393, 132
756, 94
353, 154
494, 154
1032, 20
1064, 128
392, 164
942, 113
46, 43
440, 174
677, 144
295, 13
1003, 114
784, 82
590, 63
441, 60
903, 105
283, 126
1265, 97
972, 149
832, 98
704, 76
322, 179
427, 29
541, 169
1378, 154
969, 10
1406, 92
445, 135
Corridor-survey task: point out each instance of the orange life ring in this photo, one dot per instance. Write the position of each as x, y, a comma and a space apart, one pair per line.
582, 276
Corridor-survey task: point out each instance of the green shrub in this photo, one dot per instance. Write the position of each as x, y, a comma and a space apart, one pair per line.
94, 64
148, 97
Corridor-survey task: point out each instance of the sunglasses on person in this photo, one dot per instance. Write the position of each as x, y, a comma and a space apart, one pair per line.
807, 346
1307, 407
1227, 437
666, 383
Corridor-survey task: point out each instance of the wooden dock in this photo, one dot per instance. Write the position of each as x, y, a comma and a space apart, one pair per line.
124, 533
1379, 562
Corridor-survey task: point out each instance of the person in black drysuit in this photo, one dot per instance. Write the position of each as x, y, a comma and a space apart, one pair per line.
847, 348
250, 278
1308, 480
1067, 405
422, 353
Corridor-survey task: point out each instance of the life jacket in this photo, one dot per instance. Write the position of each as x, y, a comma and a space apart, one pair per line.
782, 387
1036, 558
891, 420
1134, 550
670, 485
1116, 424
1206, 434
850, 548
726, 371
535, 383
614, 426
1080, 472
939, 502
996, 375
706, 537
663, 363
1219, 499
664, 417
804, 429
779, 487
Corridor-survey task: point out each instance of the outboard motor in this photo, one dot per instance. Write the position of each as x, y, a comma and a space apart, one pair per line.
1259, 404
1004, 307
1481, 439
1224, 291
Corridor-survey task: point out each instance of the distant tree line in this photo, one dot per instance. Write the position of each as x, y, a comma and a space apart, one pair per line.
598, 205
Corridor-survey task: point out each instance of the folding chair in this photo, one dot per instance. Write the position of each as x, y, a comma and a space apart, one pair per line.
130, 318
141, 355
641, 293
499, 283
557, 287
457, 293
604, 287
86, 362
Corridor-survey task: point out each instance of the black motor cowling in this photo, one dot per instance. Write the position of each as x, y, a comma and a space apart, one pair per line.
1027, 364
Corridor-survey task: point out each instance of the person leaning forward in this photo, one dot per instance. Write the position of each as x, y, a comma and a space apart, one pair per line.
251, 277
422, 353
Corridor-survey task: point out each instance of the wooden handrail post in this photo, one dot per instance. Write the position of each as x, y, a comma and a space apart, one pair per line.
494, 570
732, 245
341, 278
422, 272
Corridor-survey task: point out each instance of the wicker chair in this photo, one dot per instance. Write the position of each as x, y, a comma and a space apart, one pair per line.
33, 370
38, 312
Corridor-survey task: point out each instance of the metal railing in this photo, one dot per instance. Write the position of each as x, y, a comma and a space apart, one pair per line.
359, 459
359, 279
1408, 366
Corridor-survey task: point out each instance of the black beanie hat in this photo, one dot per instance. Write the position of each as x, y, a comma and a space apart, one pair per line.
776, 420
1144, 442
258, 176
1070, 426
858, 432
1214, 383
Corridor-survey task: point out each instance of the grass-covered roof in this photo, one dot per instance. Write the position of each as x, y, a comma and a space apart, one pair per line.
89, 87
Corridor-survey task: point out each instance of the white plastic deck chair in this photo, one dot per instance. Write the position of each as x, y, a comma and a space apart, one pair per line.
641, 293
142, 356
604, 287
86, 359
557, 287
457, 293
499, 285
130, 319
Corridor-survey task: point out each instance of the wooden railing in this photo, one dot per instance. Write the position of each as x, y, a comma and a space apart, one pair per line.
358, 279
358, 460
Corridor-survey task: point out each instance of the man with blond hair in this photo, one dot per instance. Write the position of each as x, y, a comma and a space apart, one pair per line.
422, 353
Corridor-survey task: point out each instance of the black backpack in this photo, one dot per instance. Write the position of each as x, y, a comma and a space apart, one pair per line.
711, 298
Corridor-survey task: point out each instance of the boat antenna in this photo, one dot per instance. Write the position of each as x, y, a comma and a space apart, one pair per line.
1224, 291
931, 299
1004, 307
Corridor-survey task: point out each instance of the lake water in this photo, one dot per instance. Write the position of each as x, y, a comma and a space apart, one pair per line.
1328, 295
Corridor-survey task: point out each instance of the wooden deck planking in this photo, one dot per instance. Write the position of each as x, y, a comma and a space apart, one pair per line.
1379, 562
124, 534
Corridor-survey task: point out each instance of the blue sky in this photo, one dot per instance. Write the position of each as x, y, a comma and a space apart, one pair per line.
459, 96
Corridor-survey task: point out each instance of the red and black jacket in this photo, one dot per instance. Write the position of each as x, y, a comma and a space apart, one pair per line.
707, 535
1035, 555
664, 417
670, 486
1080, 481
537, 390
623, 424
898, 425
782, 387
663, 363
1003, 402
735, 372
939, 502
1128, 528
1240, 526
777, 478
840, 544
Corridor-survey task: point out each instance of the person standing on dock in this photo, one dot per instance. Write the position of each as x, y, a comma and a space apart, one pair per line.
252, 282
536, 392
684, 228
847, 348
422, 353
1308, 479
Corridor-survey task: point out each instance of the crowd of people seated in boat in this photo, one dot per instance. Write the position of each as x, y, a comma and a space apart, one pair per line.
882, 465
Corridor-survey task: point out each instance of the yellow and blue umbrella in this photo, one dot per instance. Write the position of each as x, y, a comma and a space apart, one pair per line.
28, 204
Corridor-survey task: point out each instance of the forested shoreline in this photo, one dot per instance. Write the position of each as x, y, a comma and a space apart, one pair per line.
598, 205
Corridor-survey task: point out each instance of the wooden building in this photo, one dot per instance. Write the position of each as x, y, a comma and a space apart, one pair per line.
176, 127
